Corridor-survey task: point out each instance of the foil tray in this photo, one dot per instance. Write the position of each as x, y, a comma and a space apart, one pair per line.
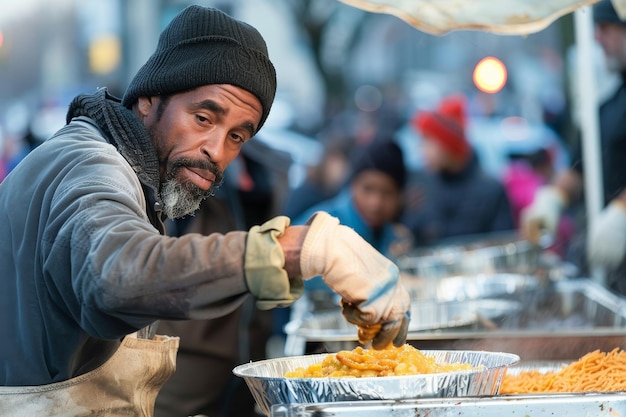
515, 287
570, 405
562, 321
491, 253
269, 387
426, 315
532, 405
568, 319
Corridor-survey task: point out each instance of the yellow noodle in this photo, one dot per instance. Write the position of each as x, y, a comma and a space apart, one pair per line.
594, 372
392, 361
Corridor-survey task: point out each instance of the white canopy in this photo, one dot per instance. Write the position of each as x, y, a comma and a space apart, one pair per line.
507, 17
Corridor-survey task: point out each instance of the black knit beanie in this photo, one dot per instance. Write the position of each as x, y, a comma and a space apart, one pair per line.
604, 12
384, 156
203, 46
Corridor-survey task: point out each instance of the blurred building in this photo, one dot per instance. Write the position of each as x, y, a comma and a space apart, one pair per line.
330, 58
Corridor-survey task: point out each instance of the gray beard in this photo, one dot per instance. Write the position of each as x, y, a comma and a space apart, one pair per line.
178, 201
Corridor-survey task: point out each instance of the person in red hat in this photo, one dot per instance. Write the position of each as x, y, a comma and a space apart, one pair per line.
456, 198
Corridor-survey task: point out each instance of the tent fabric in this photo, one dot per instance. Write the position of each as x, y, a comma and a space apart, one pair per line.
506, 17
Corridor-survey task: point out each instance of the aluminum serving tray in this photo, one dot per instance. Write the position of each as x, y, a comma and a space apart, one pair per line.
332, 326
268, 385
332, 329
570, 405
564, 321
531, 405
515, 287
569, 319
490, 253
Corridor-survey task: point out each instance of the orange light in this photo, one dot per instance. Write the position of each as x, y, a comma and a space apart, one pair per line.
490, 75
105, 54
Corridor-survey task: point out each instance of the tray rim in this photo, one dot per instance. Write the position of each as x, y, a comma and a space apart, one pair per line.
515, 359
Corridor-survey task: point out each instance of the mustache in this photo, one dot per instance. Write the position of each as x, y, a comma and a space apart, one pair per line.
194, 191
201, 164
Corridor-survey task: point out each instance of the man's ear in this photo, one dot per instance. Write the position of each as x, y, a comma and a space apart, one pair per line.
144, 106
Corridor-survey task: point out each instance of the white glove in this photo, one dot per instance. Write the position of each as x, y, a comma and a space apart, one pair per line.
542, 216
372, 296
606, 241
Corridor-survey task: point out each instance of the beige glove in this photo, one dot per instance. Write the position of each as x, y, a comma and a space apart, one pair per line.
541, 218
606, 241
372, 296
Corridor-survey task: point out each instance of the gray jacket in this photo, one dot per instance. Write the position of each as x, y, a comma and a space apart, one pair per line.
82, 264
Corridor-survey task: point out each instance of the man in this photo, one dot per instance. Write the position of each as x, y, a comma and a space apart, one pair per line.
606, 240
457, 198
86, 265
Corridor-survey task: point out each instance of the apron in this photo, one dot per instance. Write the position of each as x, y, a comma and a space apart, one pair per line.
125, 385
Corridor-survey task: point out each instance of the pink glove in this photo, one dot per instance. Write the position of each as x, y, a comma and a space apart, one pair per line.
372, 296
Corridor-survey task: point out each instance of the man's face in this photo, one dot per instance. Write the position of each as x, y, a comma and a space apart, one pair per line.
376, 197
612, 39
196, 135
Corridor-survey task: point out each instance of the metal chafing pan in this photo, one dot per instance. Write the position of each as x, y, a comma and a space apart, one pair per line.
564, 321
535, 405
531, 405
332, 329
267, 383
332, 326
509, 286
569, 319
492, 253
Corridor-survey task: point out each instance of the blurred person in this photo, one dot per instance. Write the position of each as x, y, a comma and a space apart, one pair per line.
27, 143
604, 244
369, 203
522, 178
44, 122
372, 200
524, 175
88, 270
456, 197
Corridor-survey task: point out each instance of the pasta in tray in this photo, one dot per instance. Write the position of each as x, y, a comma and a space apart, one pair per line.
594, 372
392, 361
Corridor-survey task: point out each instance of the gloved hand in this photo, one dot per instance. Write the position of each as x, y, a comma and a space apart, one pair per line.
372, 296
541, 217
606, 241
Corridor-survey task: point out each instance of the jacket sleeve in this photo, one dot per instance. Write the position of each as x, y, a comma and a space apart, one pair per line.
124, 274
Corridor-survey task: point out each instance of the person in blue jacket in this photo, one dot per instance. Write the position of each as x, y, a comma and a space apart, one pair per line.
371, 201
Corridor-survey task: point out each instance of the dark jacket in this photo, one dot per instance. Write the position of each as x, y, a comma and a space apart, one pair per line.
467, 203
612, 120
